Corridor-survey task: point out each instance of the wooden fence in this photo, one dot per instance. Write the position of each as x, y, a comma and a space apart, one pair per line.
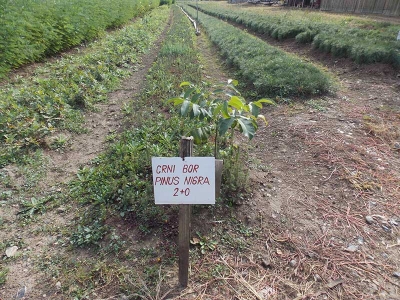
384, 7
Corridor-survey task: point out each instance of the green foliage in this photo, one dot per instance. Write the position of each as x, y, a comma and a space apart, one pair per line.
269, 71
218, 114
204, 242
120, 179
33, 206
167, 2
3, 275
364, 41
90, 234
31, 30
31, 110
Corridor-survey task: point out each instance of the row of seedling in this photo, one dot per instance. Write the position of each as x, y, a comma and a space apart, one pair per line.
32, 30
54, 96
363, 42
267, 70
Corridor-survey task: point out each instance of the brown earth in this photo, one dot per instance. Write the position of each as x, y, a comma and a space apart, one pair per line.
316, 172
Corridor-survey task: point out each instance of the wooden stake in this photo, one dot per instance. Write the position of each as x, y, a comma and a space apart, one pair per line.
186, 150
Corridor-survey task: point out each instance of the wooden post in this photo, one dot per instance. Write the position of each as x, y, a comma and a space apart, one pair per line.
186, 150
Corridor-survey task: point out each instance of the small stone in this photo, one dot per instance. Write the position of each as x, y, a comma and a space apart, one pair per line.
21, 293
369, 219
396, 274
293, 263
317, 278
266, 263
352, 248
396, 146
58, 285
11, 251
61, 210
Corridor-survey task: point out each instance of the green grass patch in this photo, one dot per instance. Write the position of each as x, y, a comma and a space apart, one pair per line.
31, 30
268, 70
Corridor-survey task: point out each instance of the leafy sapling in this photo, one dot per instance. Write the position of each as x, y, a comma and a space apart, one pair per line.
219, 111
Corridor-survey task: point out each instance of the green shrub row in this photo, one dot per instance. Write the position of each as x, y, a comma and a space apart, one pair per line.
30, 30
121, 178
363, 42
270, 71
54, 98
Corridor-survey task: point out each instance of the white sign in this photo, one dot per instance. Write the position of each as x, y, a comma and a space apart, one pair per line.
189, 181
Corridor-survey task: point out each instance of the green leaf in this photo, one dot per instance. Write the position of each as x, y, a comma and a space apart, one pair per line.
254, 109
236, 102
264, 100
185, 107
176, 101
185, 83
196, 97
188, 92
224, 110
196, 109
205, 112
218, 91
200, 135
224, 125
247, 126
263, 118
234, 82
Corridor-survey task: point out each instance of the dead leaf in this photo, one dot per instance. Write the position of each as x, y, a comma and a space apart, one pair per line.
278, 251
195, 241
334, 283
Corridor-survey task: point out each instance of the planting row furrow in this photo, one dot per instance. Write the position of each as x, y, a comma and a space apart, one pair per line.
55, 97
363, 42
121, 178
269, 70
31, 30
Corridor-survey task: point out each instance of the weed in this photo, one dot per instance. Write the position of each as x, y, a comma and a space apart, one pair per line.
59, 142
204, 242
3, 275
34, 206
317, 104
86, 235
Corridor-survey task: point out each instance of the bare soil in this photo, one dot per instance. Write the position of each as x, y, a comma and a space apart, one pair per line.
316, 172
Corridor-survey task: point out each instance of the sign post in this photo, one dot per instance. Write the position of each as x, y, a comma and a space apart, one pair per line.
184, 180
186, 150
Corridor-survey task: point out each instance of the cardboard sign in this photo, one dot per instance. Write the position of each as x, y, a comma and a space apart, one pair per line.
189, 181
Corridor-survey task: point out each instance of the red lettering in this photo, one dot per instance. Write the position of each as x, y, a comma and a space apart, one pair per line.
196, 180
190, 168
167, 180
165, 169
